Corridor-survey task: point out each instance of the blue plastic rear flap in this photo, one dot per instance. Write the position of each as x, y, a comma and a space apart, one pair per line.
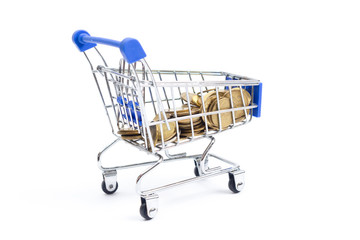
257, 99
257, 96
131, 50
227, 78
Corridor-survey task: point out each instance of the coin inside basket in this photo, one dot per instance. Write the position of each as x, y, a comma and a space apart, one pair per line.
237, 100
167, 133
153, 136
131, 137
128, 131
183, 111
226, 118
194, 98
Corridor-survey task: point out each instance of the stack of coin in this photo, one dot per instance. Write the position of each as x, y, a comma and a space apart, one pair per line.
185, 124
168, 134
226, 118
186, 129
182, 111
211, 104
237, 100
129, 134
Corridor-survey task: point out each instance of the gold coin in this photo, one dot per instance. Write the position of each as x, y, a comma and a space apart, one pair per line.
167, 133
196, 129
212, 96
154, 137
186, 112
186, 135
209, 93
211, 108
188, 121
196, 125
226, 118
131, 137
192, 97
193, 112
188, 125
183, 111
128, 131
205, 95
172, 138
209, 100
237, 100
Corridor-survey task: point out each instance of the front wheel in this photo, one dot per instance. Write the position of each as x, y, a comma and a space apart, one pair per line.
233, 186
148, 215
114, 188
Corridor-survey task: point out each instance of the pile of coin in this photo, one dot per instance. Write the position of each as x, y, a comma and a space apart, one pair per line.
211, 101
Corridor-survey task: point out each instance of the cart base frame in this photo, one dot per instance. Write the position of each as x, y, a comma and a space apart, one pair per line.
149, 197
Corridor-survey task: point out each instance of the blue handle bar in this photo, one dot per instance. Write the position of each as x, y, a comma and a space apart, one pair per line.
130, 48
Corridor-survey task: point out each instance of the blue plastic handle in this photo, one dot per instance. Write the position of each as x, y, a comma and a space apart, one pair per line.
130, 48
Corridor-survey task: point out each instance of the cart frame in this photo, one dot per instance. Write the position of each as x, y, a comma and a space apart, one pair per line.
131, 82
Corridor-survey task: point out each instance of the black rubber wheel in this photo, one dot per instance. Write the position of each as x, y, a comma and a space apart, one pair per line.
231, 184
196, 172
103, 186
143, 210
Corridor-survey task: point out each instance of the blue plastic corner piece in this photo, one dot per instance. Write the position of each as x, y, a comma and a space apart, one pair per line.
131, 50
257, 99
120, 101
82, 46
257, 96
132, 109
227, 78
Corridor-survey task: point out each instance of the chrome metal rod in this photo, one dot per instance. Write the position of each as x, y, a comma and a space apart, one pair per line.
224, 160
141, 176
172, 156
101, 153
189, 180
202, 114
205, 154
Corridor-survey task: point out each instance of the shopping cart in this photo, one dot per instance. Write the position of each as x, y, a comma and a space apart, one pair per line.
154, 110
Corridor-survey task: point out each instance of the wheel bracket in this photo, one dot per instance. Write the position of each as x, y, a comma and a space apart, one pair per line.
110, 179
151, 202
239, 178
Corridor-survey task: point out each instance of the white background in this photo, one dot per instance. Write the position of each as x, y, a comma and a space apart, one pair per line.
301, 157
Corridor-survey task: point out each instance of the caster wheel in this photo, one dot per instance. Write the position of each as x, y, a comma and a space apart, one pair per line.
196, 172
232, 184
103, 186
143, 210
196, 169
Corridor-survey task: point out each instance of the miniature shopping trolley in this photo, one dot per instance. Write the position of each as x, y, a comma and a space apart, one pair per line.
155, 110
